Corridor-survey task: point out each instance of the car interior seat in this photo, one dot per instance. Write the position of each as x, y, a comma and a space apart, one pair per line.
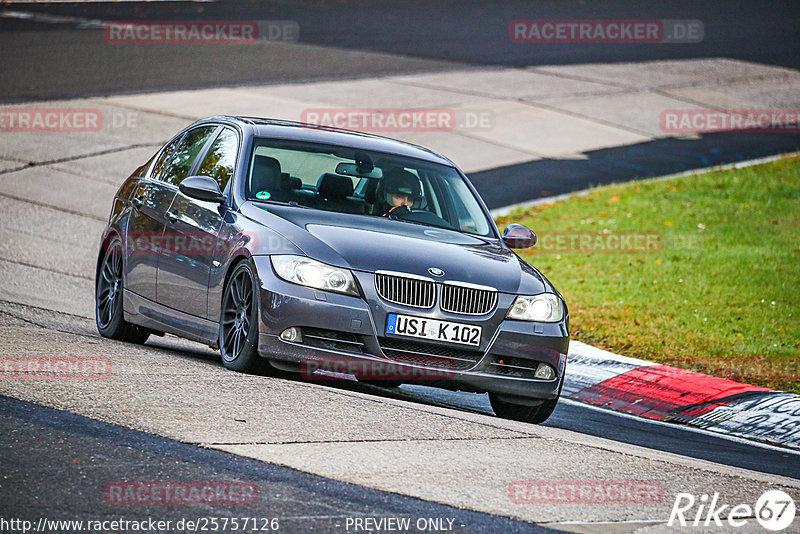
335, 194
265, 176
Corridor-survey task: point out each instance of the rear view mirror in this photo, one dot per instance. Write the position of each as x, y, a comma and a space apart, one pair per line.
518, 236
351, 169
202, 188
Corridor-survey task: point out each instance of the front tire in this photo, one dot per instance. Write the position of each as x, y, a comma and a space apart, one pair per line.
238, 324
519, 412
108, 312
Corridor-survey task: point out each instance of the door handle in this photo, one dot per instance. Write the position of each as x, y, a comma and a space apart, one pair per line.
137, 202
172, 216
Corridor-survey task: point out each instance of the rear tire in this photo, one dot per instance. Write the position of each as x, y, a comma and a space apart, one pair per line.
108, 312
519, 412
238, 323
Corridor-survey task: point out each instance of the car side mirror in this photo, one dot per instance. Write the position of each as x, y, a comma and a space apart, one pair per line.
202, 188
518, 236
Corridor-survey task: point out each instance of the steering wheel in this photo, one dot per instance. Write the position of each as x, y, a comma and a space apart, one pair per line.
426, 217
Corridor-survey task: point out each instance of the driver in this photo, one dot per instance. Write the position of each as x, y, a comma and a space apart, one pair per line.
400, 190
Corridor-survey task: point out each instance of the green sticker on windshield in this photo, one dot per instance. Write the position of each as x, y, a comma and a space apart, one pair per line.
263, 195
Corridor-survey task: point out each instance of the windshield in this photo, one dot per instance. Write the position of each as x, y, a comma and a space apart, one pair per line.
358, 182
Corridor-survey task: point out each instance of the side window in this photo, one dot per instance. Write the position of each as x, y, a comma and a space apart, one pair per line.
164, 158
221, 158
185, 153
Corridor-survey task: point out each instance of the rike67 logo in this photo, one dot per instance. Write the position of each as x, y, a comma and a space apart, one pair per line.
774, 510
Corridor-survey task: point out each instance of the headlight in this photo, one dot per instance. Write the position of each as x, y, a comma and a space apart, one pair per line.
544, 308
312, 273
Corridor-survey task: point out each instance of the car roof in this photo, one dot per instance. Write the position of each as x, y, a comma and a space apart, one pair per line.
298, 131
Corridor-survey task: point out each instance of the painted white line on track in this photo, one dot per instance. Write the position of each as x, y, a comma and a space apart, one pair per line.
625, 522
84, 24
306, 517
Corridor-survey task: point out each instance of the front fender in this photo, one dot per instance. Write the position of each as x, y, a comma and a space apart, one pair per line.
240, 237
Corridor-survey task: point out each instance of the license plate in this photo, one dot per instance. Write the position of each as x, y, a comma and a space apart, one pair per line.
403, 325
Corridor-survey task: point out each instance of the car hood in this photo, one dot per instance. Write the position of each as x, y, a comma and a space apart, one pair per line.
373, 244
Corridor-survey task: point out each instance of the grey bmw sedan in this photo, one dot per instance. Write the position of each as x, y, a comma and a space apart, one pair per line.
329, 252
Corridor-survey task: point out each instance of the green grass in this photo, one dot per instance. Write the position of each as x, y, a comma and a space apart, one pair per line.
720, 295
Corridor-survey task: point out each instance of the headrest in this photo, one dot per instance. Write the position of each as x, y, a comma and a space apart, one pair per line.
371, 192
290, 182
266, 174
334, 186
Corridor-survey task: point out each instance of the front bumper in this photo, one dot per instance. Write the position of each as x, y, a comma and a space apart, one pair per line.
497, 365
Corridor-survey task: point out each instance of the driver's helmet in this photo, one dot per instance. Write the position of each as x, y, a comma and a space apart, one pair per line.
402, 182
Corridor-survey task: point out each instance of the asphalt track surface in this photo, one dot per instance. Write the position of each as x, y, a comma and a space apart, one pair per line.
56, 463
569, 415
572, 415
346, 39
349, 39
501, 186
59, 57
51, 456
